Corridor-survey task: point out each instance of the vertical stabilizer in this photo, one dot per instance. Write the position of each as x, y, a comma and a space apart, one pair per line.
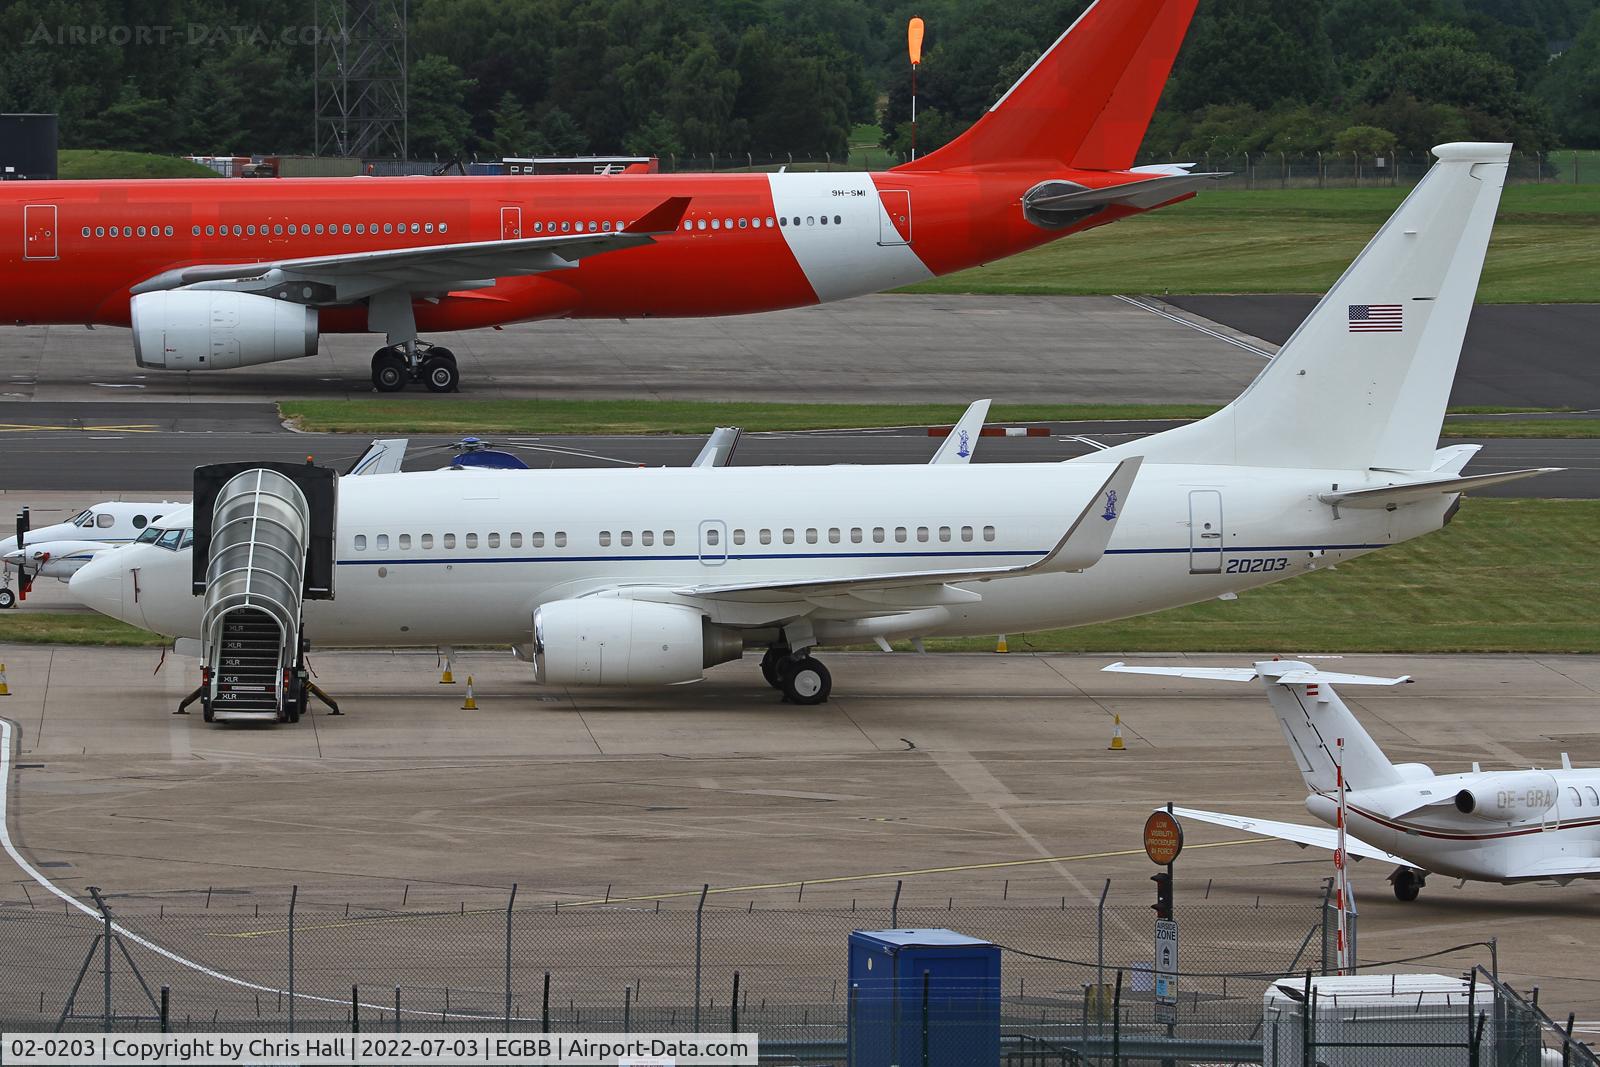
1364, 381
1314, 719
1087, 101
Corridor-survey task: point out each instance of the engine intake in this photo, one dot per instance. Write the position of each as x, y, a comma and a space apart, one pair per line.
604, 641
196, 329
1509, 797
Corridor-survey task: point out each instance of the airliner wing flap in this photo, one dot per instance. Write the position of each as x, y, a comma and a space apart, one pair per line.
1304, 836
1078, 549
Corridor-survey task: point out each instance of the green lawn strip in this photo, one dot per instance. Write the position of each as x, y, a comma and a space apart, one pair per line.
1545, 249
1506, 576
1567, 429
427, 414
86, 163
72, 628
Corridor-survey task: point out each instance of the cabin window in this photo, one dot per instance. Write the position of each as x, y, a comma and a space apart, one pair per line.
361, 542
388, 227
211, 231
345, 228
900, 534
236, 232
605, 538
837, 221
944, 533
766, 537
606, 226
713, 536
428, 227
99, 231
855, 535
139, 522
727, 224
1577, 798
472, 540
744, 224
988, 533
383, 542
104, 520
701, 224
788, 536
443, 226
1594, 798
566, 227
833, 535
922, 533
361, 227
427, 540
811, 536
449, 540
250, 230
668, 537
416, 227
561, 539
824, 220
494, 540
627, 538
966, 533
716, 224
769, 222
877, 535
738, 537
278, 230
811, 220
537, 539
405, 541
168, 231
516, 540
647, 537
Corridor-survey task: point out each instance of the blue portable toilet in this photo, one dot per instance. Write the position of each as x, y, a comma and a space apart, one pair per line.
923, 997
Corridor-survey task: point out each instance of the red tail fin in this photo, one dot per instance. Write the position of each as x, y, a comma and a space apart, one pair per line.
1087, 101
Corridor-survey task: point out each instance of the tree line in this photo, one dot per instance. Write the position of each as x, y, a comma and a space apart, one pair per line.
696, 77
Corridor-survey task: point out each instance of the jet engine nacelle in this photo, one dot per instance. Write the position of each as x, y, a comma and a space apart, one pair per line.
605, 641
198, 329
1509, 797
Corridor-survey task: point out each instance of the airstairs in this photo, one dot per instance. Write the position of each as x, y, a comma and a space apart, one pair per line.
254, 655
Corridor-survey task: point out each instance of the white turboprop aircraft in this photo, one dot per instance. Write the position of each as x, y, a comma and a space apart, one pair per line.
1484, 826
58, 550
646, 576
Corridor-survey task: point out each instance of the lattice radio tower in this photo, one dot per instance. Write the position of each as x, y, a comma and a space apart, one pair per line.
360, 98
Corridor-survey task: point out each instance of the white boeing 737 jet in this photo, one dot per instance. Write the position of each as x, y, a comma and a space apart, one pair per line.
1484, 826
648, 576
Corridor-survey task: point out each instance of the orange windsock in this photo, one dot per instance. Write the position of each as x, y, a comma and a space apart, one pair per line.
914, 40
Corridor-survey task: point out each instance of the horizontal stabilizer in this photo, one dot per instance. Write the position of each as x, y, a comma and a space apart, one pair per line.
1305, 836
1143, 194
1384, 496
959, 446
1293, 673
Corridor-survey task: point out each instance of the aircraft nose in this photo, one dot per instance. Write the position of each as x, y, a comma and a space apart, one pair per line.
98, 585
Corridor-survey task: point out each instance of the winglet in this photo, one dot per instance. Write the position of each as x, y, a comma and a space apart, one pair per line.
718, 449
663, 218
1085, 541
963, 439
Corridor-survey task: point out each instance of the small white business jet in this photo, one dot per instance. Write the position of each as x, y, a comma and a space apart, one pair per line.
58, 550
1483, 826
647, 576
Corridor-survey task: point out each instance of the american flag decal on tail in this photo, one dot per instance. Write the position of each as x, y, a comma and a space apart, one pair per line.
1376, 318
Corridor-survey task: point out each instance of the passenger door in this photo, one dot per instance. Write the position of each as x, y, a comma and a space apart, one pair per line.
510, 223
894, 224
39, 232
1205, 531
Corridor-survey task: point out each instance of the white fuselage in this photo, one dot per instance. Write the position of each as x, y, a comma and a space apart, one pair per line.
458, 557
1443, 840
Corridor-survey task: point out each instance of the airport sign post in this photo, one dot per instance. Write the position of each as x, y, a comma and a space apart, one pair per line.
1163, 842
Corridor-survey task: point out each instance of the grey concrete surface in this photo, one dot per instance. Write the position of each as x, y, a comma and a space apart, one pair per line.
136, 447
944, 349
946, 765
1515, 355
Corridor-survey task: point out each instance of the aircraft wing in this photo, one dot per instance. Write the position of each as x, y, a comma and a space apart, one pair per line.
1384, 496
963, 439
1078, 549
1304, 836
427, 268
1289, 676
1562, 868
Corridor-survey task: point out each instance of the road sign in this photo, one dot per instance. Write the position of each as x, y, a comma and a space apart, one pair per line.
1166, 961
1163, 837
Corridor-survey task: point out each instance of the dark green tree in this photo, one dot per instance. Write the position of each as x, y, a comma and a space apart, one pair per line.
439, 125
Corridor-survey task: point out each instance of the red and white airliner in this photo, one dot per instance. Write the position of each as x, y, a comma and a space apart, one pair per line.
217, 274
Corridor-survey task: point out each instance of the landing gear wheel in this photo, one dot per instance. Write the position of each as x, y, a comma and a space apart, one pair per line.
206, 711
439, 372
1407, 884
806, 681
8, 599
389, 372
772, 666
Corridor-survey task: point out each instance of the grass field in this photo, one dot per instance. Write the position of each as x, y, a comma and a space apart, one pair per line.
82, 163
1546, 247
441, 415
1506, 576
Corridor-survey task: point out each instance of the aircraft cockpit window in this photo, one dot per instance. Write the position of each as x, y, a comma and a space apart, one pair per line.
188, 539
170, 539
104, 521
83, 518
149, 535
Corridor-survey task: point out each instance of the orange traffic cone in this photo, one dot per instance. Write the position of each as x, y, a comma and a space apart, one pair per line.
5, 690
447, 678
1001, 646
471, 703
1116, 737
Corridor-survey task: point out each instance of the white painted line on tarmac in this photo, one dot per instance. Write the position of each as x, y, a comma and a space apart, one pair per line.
1181, 321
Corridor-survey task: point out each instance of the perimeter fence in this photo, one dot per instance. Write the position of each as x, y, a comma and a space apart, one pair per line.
1077, 986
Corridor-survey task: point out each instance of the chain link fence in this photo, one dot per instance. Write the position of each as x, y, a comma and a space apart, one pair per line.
1078, 982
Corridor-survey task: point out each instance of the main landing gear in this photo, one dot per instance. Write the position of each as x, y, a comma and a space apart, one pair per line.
8, 599
1408, 883
418, 361
800, 678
